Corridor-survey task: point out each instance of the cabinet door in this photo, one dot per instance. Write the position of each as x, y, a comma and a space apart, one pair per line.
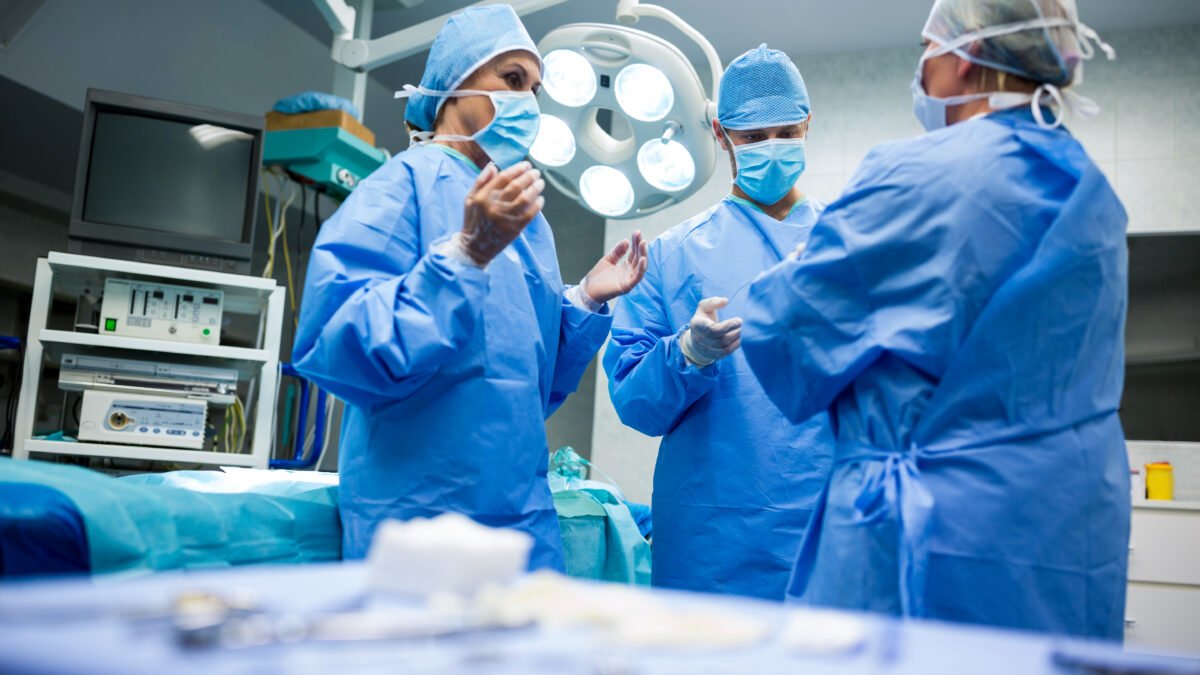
1163, 617
1164, 546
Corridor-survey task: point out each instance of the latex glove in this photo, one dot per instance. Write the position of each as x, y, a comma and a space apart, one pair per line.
618, 272
707, 339
497, 209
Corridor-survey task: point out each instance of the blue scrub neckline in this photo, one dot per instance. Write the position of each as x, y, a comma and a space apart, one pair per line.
458, 155
746, 202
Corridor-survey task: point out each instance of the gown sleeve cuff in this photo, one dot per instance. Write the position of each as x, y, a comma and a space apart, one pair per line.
682, 364
577, 297
452, 248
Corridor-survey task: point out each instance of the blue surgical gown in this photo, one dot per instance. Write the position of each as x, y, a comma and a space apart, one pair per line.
959, 311
735, 482
448, 371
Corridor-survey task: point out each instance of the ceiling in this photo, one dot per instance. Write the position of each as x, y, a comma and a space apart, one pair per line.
795, 26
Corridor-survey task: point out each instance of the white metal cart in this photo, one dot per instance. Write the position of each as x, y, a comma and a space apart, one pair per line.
71, 276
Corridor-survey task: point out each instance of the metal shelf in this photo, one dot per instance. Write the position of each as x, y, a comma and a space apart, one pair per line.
142, 452
47, 335
74, 275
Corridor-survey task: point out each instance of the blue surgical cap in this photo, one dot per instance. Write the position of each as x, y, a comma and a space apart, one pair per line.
469, 39
762, 88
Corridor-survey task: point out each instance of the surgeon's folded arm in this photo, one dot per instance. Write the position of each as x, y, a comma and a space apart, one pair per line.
392, 334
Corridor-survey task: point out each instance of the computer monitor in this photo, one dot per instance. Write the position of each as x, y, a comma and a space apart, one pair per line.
166, 183
1162, 339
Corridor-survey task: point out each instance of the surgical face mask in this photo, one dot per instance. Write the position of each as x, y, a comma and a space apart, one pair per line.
930, 110
507, 138
766, 170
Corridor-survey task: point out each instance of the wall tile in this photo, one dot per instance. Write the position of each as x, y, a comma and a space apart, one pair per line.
1184, 459
1142, 55
1098, 134
1149, 191
826, 145
825, 187
1145, 120
1185, 54
1187, 118
1187, 193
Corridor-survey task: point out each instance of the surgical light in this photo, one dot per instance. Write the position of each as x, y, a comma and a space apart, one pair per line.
626, 119
666, 165
555, 144
606, 191
644, 92
569, 78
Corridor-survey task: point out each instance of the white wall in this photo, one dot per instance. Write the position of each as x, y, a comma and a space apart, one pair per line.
1146, 139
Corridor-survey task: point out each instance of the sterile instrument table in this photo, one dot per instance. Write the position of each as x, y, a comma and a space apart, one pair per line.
75, 626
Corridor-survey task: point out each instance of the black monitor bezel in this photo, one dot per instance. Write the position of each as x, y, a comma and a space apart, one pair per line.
136, 237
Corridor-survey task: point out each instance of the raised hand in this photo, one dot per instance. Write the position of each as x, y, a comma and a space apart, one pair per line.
498, 207
707, 338
618, 272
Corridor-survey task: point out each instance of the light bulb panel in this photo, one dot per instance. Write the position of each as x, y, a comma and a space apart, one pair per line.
611, 50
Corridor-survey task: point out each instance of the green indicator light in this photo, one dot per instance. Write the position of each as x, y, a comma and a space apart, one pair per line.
110, 325
205, 332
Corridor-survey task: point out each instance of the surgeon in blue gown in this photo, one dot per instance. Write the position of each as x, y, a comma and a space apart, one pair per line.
735, 482
434, 306
959, 311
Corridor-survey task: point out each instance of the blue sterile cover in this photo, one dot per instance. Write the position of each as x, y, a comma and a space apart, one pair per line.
131, 525
41, 532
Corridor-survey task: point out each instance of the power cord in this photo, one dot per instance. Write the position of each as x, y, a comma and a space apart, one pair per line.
8, 440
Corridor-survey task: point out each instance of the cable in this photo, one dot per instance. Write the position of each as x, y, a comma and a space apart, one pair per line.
8, 441
269, 269
303, 215
233, 435
287, 259
279, 231
331, 401
310, 438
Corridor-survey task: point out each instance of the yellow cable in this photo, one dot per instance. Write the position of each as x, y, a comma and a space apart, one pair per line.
241, 423
269, 270
287, 260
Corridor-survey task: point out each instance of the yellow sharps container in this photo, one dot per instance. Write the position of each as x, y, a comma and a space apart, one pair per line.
1160, 481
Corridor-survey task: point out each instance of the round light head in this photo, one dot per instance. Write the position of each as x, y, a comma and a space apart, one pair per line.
611, 95
555, 144
666, 166
569, 78
644, 92
606, 190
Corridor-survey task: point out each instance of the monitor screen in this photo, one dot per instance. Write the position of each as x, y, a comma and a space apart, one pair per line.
168, 176
1162, 339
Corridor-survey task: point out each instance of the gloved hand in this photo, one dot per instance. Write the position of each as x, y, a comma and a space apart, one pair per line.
616, 274
498, 207
799, 251
706, 340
